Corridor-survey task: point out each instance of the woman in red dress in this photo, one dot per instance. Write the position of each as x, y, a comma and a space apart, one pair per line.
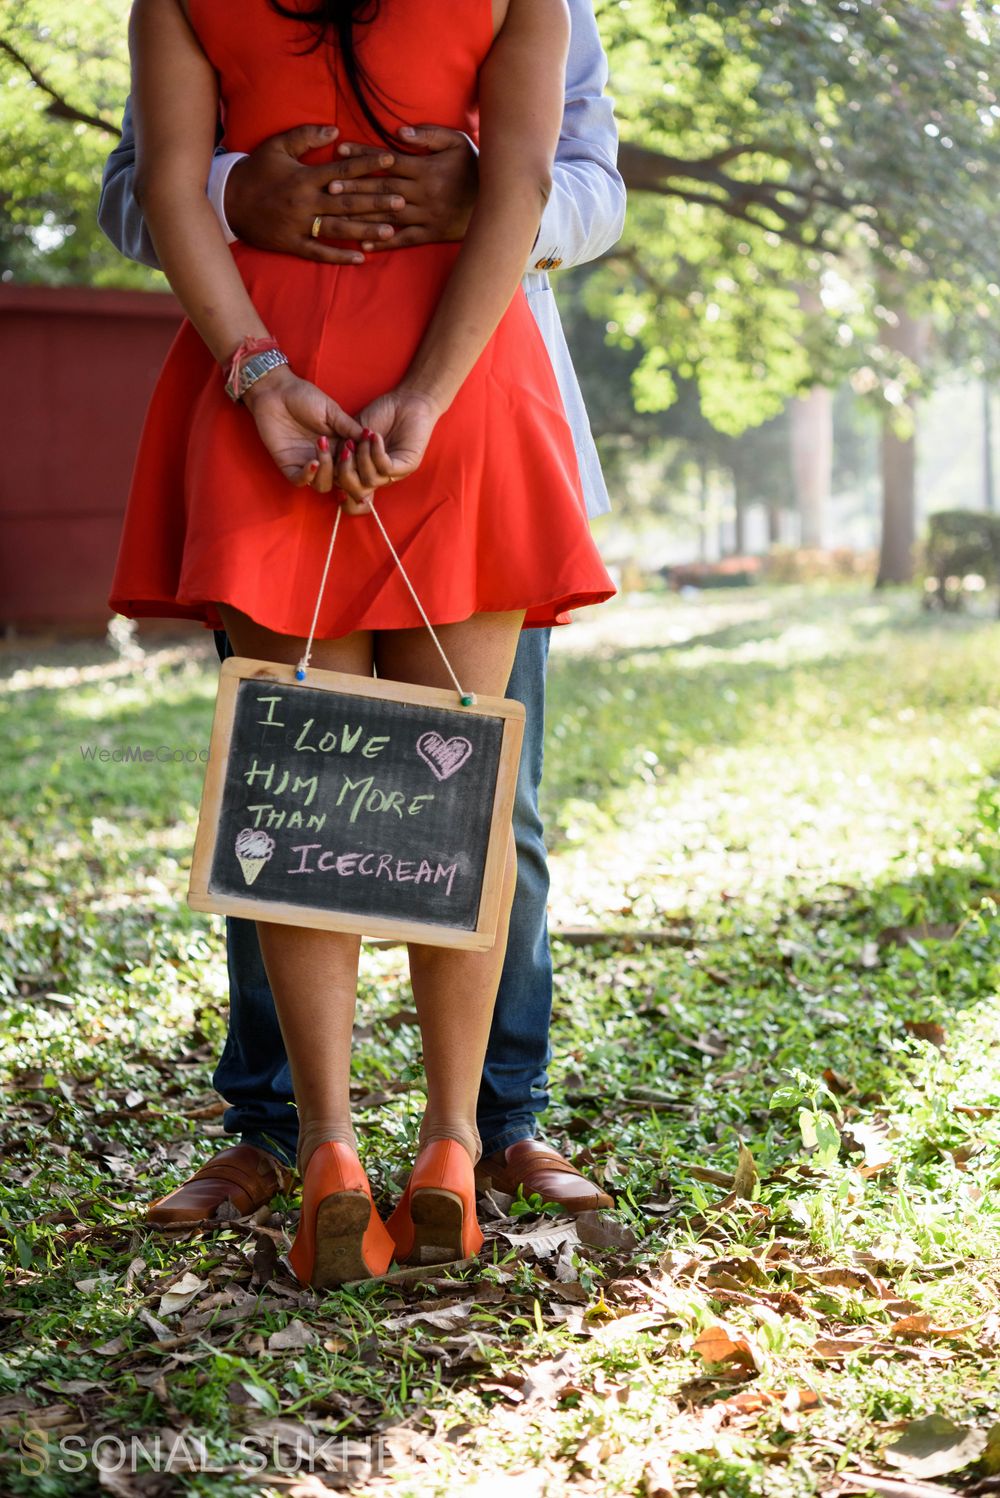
425, 372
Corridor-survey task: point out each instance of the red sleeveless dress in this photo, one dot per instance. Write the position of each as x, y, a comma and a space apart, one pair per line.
494, 518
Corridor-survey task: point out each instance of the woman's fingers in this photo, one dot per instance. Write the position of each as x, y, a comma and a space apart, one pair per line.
301, 475
317, 472
367, 472
384, 465
348, 481
322, 480
340, 424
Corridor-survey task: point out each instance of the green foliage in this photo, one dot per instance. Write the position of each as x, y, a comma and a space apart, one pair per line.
961, 542
852, 150
811, 166
55, 147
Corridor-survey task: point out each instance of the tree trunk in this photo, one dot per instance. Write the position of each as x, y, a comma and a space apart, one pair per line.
989, 488
899, 468
774, 525
811, 436
703, 510
739, 515
899, 522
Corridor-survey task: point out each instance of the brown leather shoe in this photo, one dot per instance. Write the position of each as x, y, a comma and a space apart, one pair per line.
538, 1170
244, 1175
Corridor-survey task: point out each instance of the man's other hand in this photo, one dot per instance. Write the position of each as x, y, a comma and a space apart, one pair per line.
437, 187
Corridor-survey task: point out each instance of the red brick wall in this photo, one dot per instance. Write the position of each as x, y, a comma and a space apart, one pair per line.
77, 367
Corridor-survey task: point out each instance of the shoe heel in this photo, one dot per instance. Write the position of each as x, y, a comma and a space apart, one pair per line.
440, 1232
341, 1222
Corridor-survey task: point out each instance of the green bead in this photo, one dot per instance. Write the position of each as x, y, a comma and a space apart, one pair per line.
468, 700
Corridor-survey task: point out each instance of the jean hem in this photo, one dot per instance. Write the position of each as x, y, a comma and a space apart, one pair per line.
493, 1143
270, 1145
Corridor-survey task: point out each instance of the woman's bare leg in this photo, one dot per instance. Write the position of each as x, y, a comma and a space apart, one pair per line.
313, 974
454, 992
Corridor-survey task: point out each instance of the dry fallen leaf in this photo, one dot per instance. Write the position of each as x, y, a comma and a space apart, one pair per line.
749, 1402
720, 1343
723, 1178
842, 1347
935, 1445
543, 1239
603, 1232
746, 1176
291, 1338
848, 1279
622, 1327
890, 1487
546, 1382
965, 1153
265, 1260
113, 1348
160, 1332
181, 1294
923, 1325
447, 1319
929, 1030
900, 936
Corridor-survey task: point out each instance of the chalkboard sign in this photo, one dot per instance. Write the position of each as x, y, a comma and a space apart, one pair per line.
356, 804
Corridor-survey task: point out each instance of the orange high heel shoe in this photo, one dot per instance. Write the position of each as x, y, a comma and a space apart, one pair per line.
435, 1221
340, 1236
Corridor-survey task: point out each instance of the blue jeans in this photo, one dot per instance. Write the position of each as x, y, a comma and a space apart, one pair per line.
253, 1074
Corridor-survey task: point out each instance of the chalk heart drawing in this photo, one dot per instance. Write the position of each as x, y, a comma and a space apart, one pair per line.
444, 756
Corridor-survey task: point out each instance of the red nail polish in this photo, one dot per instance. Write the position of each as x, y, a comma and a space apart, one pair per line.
324, 444
368, 434
348, 448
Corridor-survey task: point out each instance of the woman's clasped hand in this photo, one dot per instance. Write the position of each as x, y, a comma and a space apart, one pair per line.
314, 442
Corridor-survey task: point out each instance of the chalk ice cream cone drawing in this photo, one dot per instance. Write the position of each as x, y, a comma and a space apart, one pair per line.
253, 849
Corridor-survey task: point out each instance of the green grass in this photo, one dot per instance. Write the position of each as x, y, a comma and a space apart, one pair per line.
796, 797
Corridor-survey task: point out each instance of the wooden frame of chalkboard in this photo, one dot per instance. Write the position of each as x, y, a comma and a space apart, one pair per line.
449, 898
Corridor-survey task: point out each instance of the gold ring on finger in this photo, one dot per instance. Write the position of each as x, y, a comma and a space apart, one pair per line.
317, 225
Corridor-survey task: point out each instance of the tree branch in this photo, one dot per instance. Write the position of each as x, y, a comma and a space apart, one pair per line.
60, 107
790, 203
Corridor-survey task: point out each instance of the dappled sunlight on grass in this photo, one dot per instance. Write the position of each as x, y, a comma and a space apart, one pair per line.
809, 751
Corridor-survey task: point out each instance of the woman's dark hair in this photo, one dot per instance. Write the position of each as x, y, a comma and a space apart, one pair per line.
334, 21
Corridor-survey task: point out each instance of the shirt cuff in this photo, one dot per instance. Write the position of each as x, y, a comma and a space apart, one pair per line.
218, 176
545, 250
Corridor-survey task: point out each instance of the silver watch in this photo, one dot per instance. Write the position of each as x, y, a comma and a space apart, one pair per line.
253, 369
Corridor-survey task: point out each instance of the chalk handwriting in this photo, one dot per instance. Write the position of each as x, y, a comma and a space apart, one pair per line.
373, 866
370, 798
343, 743
266, 814
307, 783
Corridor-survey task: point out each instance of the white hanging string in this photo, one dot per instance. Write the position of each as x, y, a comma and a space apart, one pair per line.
467, 699
303, 665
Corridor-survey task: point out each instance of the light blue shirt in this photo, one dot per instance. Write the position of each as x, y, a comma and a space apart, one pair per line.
582, 220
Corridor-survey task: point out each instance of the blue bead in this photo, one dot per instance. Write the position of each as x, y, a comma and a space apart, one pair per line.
300, 673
